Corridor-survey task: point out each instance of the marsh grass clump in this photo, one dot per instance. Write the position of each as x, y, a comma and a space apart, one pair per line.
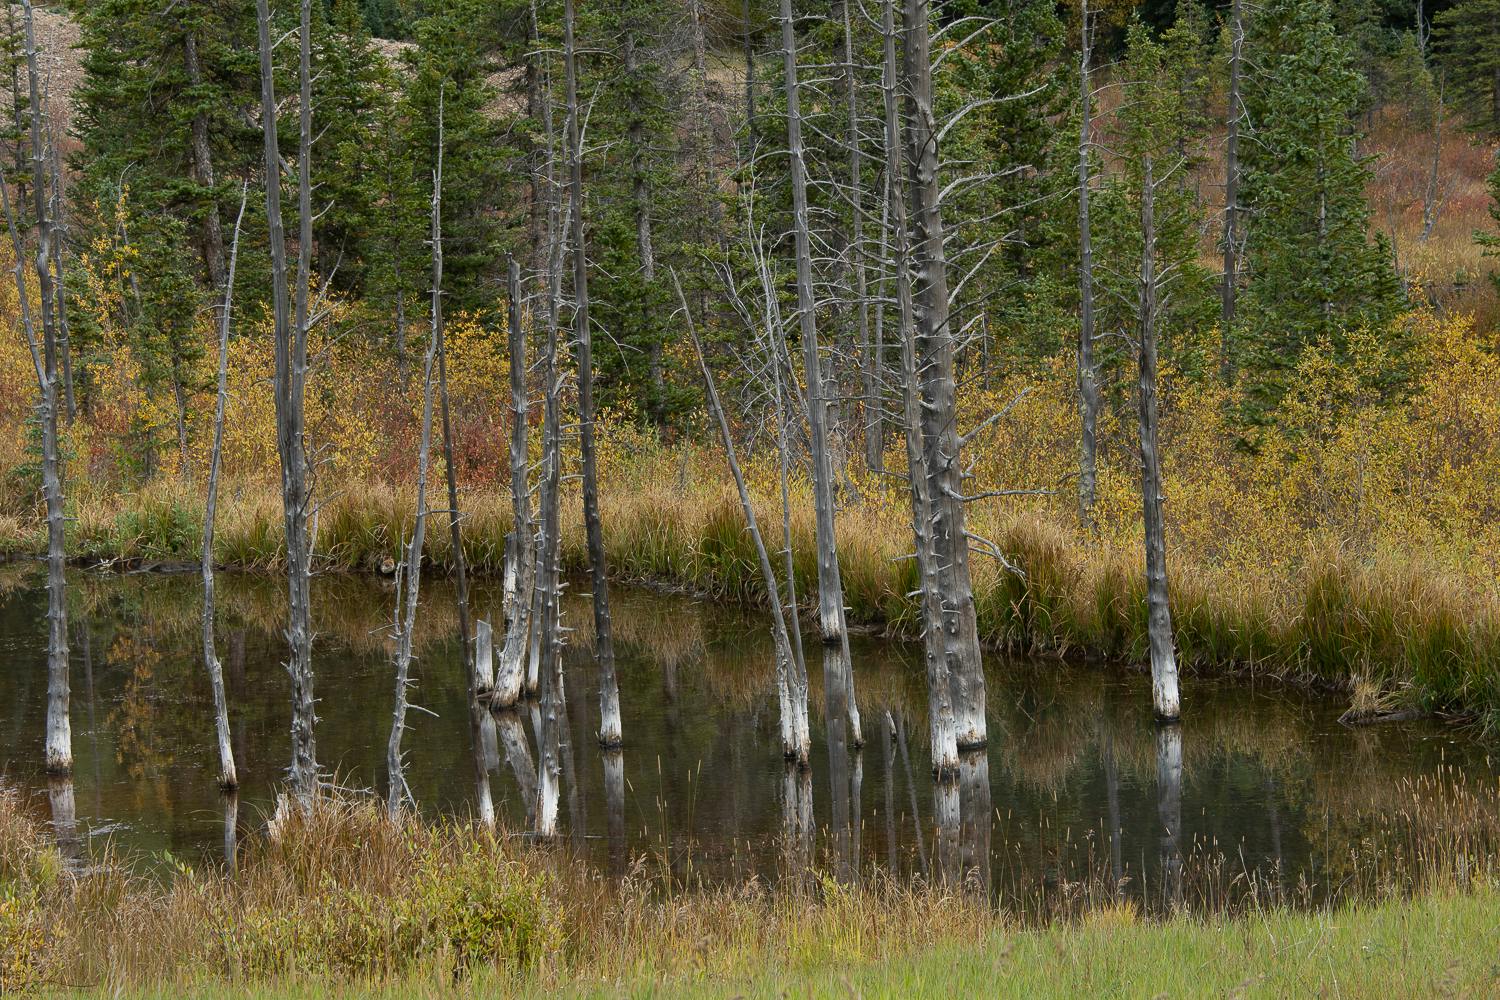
342, 893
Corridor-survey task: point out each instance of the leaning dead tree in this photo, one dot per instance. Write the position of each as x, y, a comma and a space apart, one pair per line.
1088, 374
610, 734
409, 573
291, 336
935, 364
795, 740
228, 777
838, 677
45, 361
943, 728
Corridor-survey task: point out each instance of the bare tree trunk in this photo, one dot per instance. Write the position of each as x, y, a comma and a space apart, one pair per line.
795, 740
1164, 693
750, 122
797, 683
1088, 375
1231, 194
59, 738
610, 733
641, 195
409, 575
1432, 200
228, 778
520, 570
873, 436
59, 246
549, 589
830, 584
291, 334
203, 169
455, 518
942, 726
940, 441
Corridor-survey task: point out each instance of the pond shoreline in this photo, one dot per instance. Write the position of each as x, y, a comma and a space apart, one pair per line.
1246, 671
1407, 633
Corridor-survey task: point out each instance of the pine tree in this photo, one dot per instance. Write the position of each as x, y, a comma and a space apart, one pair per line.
161, 108
639, 218
1316, 274
1161, 118
457, 47
1468, 43
1026, 140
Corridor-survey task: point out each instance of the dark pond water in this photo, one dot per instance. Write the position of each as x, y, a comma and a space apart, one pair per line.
1260, 786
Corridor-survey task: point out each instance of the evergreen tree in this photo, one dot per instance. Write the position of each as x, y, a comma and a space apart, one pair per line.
1316, 274
1468, 43
458, 44
160, 108
1161, 120
637, 192
1027, 143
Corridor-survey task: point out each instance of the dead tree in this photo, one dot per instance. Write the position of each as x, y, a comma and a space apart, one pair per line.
409, 574
59, 246
228, 777
549, 766
935, 363
795, 740
291, 336
520, 560
942, 726
641, 196
874, 434
44, 356
1231, 193
750, 123
1164, 694
610, 734
455, 514
838, 678
1088, 374
549, 633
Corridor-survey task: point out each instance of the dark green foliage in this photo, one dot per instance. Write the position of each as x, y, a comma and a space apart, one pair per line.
1316, 273
1468, 42
1161, 121
458, 45
136, 106
1028, 141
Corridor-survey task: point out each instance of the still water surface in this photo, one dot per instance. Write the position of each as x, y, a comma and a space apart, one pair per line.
1076, 781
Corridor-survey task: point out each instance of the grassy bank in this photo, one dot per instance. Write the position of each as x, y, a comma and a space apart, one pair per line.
1400, 628
347, 903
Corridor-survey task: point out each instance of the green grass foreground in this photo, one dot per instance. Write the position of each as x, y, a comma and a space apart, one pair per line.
1442, 944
